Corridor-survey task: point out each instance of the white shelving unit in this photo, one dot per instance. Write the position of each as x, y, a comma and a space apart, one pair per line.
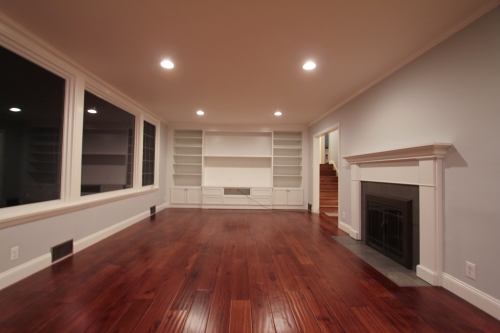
188, 148
251, 169
287, 160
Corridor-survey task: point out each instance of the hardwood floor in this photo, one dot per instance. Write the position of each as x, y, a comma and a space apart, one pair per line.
192, 270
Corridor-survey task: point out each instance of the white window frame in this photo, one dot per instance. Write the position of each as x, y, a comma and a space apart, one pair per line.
28, 46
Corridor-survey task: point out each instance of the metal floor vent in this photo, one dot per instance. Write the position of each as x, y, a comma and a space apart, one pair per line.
62, 250
153, 210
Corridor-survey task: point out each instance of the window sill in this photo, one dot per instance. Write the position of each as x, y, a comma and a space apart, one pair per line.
12, 216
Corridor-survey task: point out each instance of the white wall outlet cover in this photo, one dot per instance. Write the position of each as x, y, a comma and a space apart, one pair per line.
470, 270
14, 253
343, 215
344, 164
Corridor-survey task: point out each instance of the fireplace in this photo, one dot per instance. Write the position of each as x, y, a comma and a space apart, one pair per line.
420, 166
388, 227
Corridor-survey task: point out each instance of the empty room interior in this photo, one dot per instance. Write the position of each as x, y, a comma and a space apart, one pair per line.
249, 166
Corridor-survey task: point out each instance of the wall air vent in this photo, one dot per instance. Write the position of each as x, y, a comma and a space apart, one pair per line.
62, 250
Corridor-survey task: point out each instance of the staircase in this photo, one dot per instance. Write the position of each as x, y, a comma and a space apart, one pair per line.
328, 189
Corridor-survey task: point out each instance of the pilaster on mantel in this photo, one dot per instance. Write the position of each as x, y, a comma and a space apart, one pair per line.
430, 151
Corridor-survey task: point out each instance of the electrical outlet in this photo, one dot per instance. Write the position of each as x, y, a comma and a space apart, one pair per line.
14, 253
343, 215
470, 270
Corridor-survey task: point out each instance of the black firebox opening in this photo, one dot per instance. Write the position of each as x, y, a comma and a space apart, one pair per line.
389, 227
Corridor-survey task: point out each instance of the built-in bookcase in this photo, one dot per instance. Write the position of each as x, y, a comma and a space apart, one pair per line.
251, 169
188, 146
287, 159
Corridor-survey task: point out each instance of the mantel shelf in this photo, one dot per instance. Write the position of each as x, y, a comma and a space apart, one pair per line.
435, 150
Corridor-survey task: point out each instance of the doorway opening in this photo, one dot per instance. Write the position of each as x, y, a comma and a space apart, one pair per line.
326, 155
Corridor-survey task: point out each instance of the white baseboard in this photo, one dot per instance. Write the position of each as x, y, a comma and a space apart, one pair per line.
162, 207
345, 227
185, 206
427, 275
354, 234
22, 271
472, 295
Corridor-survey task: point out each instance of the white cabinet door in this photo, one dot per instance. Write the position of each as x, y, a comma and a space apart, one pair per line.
178, 195
183, 195
193, 195
295, 196
280, 197
292, 197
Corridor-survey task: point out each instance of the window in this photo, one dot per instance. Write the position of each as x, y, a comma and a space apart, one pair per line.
148, 157
107, 148
31, 127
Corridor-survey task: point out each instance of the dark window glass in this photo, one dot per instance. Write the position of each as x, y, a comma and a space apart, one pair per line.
108, 146
30, 139
148, 157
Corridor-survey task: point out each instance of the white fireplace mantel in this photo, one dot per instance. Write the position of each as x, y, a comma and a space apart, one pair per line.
417, 165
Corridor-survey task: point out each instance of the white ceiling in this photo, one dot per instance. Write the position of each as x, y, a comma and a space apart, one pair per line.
240, 61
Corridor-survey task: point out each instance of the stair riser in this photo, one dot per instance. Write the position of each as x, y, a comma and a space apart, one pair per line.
326, 187
328, 180
328, 210
328, 201
328, 173
329, 194
326, 167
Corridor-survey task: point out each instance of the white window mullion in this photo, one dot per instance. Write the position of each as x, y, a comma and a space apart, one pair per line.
73, 158
157, 155
139, 125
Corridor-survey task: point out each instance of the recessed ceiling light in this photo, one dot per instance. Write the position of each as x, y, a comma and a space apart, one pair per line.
278, 113
15, 109
93, 110
309, 66
200, 113
167, 64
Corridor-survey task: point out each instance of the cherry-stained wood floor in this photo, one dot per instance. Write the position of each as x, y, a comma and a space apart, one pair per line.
192, 270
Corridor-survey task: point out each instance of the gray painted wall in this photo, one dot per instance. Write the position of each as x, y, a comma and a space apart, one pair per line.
36, 238
450, 94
